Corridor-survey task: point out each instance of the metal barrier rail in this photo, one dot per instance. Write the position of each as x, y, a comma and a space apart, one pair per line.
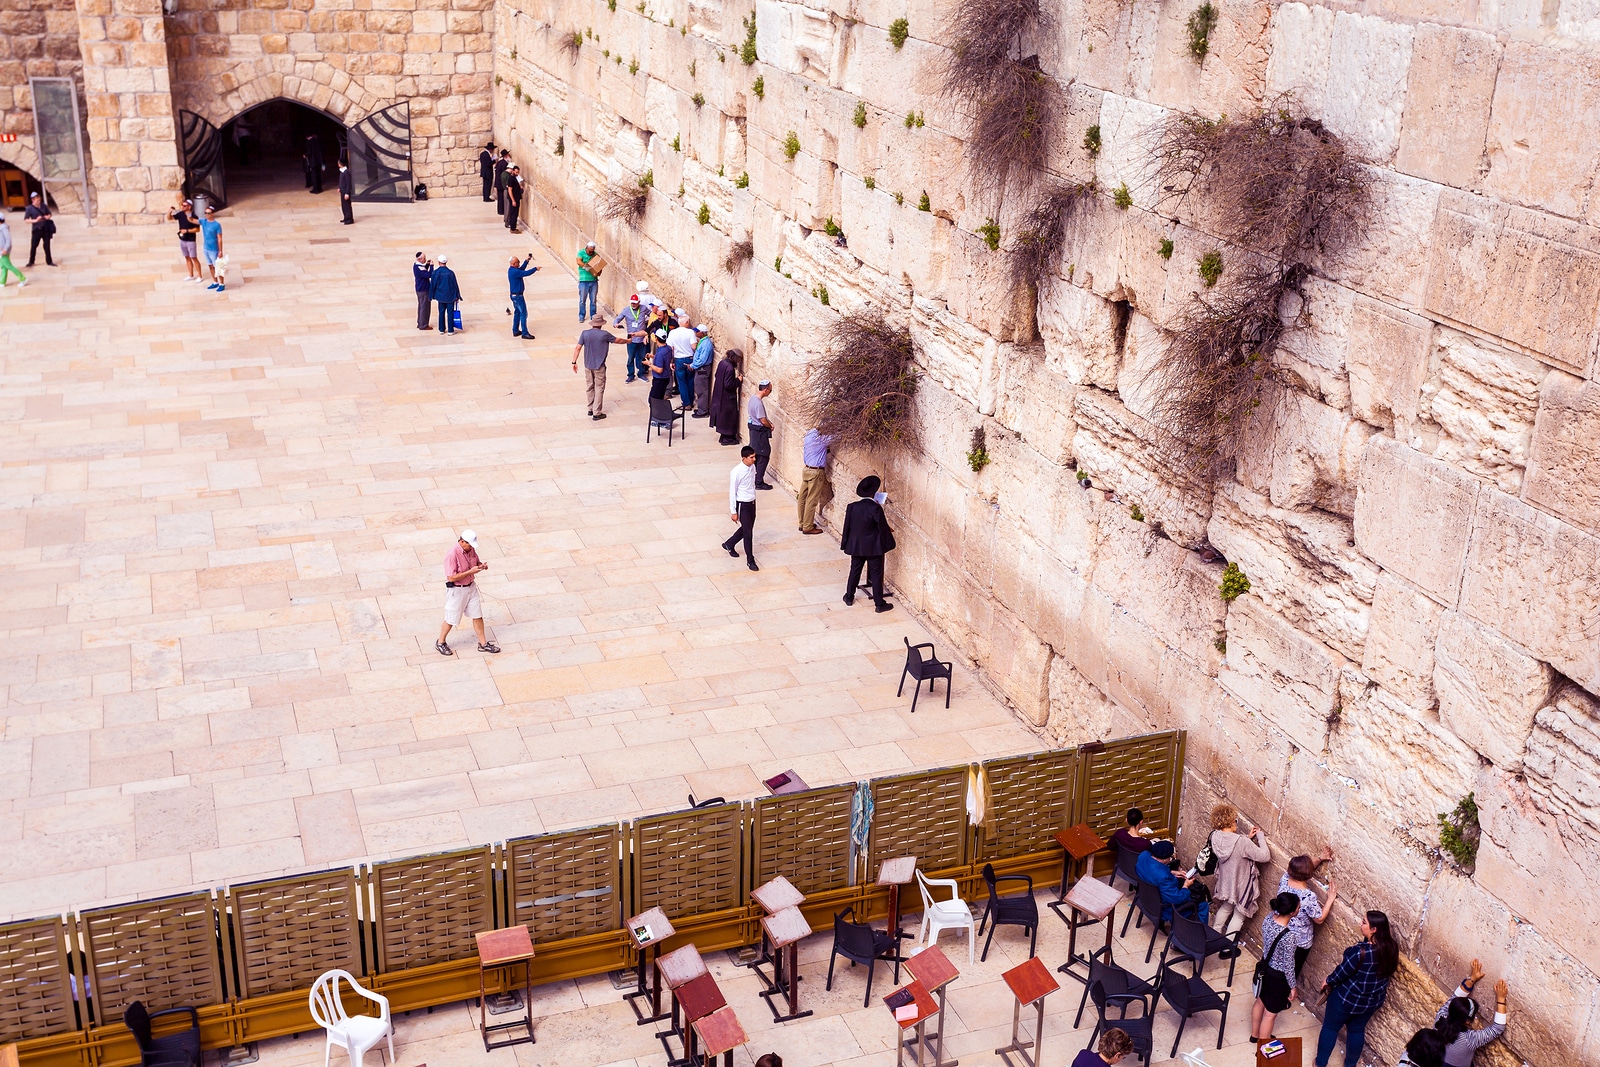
245, 955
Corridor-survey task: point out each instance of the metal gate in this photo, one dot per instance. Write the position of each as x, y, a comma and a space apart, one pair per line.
202, 158
379, 154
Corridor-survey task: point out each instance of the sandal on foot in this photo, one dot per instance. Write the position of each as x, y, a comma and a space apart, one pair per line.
489, 646
444, 649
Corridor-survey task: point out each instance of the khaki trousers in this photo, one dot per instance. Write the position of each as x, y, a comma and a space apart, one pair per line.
813, 486
594, 387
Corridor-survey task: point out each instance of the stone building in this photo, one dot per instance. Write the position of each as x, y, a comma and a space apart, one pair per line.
1419, 516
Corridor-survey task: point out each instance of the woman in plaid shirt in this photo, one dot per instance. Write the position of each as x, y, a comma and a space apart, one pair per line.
1357, 988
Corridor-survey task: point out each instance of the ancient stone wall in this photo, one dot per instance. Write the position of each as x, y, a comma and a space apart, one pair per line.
1419, 518
38, 39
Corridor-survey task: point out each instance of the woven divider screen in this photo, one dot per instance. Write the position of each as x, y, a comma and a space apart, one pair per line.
162, 952
287, 931
689, 862
805, 837
566, 884
1032, 797
922, 815
429, 907
35, 988
1144, 772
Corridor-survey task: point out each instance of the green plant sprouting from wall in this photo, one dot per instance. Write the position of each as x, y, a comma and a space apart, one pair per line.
742, 181
1122, 197
860, 117
821, 293
990, 232
1135, 513
703, 216
899, 30
760, 87
978, 452
1211, 268
1165, 251
924, 204
870, 182
831, 228
1459, 832
1091, 140
1235, 583
699, 101
1200, 25
791, 146
747, 51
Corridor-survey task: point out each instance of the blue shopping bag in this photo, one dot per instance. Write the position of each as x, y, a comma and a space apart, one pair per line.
455, 318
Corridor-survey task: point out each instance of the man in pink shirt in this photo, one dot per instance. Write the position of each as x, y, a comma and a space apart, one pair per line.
461, 569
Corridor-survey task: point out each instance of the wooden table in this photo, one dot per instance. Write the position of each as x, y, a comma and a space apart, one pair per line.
498, 949
777, 895
927, 1008
787, 782
8, 1056
785, 930
677, 969
1030, 983
720, 1033
1098, 901
698, 997
933, 971
648, 946
1078, 843
1291, 1054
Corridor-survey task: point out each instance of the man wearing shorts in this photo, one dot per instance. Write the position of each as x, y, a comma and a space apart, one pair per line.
211, 244
188, 230
461, 570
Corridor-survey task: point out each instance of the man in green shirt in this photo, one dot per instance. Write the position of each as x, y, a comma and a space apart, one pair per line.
588, 282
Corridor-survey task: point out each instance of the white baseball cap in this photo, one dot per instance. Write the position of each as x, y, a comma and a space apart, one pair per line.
702, 328
643, 287
443, 258
682, 314
470, 537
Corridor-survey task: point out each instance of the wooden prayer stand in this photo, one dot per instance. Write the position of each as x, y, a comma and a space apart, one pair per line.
933, 971
894, 874
1030, 983
720, 1033
497, 949
699, 997
927, 1008
677, 969
773, 897
784, 931
1078, 843
648, 948
1098, 901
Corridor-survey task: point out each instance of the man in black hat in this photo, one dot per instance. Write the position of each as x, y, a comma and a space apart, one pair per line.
867, 537
486, 170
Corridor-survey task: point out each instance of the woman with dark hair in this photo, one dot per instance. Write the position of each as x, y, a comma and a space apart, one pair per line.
1425, 1049
1454, 1021
1114, 1045
1275, 981
1357, 988
1314, 910
725, 397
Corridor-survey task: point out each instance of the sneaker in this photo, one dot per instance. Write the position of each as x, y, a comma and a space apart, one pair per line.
222, 288
444, 649
751, 564
489, 646
702, 414
213, 285
22, 284
597, 418
885, 606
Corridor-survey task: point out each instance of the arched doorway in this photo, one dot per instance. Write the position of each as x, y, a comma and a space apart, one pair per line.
266, 148
16, 184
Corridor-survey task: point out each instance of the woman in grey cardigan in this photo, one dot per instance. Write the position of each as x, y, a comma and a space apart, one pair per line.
1454, 1020
1238, 887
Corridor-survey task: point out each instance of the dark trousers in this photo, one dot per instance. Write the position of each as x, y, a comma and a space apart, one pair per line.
519, 314
637, 359
422, 309
33, 248
1335, 1016
658, 388
761, 441
345, 206
686, 385
488, 186
874, 565
702, 390
447, 316
316, 181
499, 200
746, 531
511, 216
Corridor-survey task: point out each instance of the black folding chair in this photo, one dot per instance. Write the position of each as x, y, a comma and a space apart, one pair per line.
1125, 868
1190, 997
1017, 909
923, 670
663, 416
181, 1049
1138, 1028
1116, 981
1193, 940
1146, 904
860, 943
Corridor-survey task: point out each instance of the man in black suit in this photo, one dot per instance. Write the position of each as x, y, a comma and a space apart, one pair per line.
500, 166
513, 196
867, 537
347, 190
486, 170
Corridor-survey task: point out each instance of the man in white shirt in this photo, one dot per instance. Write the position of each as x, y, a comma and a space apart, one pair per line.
742, 506
682, 340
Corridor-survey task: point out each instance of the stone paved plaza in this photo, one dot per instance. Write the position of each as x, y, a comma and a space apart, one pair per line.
224, 530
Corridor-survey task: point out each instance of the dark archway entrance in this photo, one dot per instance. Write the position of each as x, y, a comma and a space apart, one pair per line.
16, 184
280, 145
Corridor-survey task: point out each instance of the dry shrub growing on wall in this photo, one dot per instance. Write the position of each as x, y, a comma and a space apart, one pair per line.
1036, 245
1283, 187
862, 389
739, 253
624, 201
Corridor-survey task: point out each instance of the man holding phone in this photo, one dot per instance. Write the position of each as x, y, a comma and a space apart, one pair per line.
515, 274
461, 568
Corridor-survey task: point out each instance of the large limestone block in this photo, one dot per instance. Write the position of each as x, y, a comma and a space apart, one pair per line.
1143, 350
1564, 470
1316, 452
1235, 748
1311, 354
1282, 672
1400, 641
1536, 580
1413, 515
1563, 760
1117, 450
1300, 563
1301, 53
1078, 712
1407, 766
1083, 335
1448, 96
1366, 89
1163, 586
1519, 276
1036, 402
953, 352
1143, 277
1228, 82
1127, 130
1389, 259
1542, 144
1480, 401
1489, 689
1387, 361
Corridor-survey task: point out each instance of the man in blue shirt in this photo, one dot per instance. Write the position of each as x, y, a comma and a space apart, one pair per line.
211, 245
701, 366
519, 303
632, 320
1155, 868
446, 292
814, 482
422, 276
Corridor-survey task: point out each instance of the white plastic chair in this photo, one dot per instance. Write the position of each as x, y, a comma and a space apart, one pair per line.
952, 914
353, 1033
